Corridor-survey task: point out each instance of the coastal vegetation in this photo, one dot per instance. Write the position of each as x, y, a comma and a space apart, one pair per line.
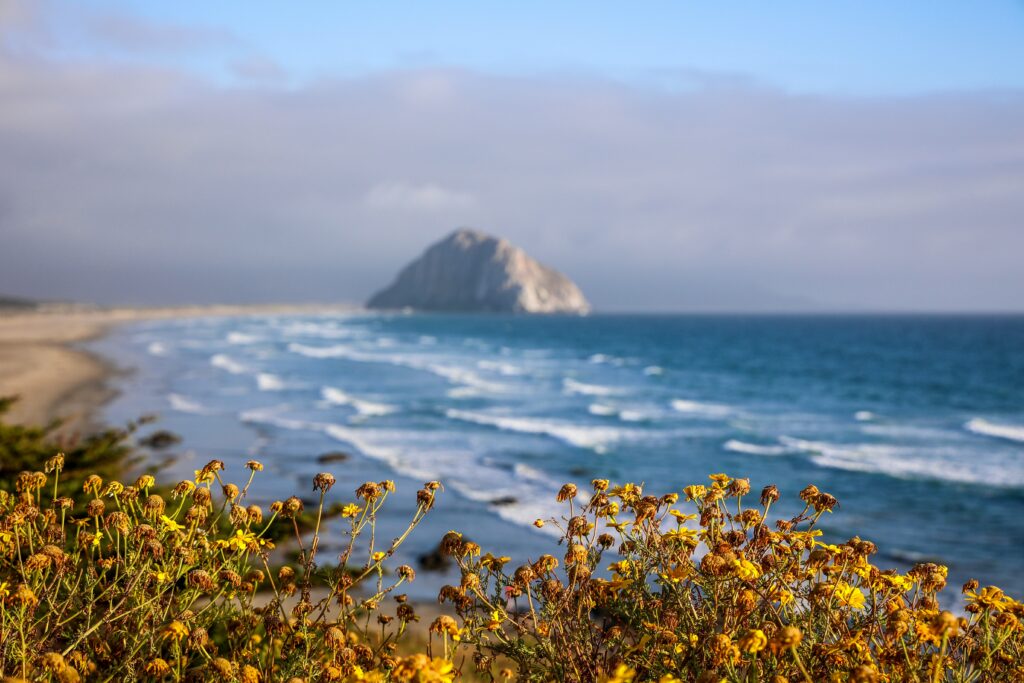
110, 580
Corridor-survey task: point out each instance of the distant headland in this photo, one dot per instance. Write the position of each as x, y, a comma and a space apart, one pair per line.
475, 272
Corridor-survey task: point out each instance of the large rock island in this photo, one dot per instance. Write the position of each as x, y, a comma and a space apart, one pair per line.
471, 271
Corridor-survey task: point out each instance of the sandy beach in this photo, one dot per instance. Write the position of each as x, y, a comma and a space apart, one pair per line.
42, 363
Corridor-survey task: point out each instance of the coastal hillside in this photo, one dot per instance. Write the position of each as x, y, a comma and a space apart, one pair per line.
471, 271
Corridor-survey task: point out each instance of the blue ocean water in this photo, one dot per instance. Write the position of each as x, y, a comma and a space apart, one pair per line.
915, 423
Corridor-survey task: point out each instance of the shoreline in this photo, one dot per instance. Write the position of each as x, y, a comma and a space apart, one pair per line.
42, 362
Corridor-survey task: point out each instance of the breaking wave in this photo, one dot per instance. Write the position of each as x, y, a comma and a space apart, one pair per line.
700, 409
365, 408
225, 362
185, 405
581, 436
265, 381
1000, 431
737, 446
571, 386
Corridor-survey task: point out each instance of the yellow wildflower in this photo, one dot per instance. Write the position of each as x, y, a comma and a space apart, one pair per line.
695, 492
989, 597
622, 674
753, 641
175, 630
170, 524
849, 596
745, 569
682, 517
242, 540
350, 510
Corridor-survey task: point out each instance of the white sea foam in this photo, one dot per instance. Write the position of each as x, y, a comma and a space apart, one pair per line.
241, 338
907, 462
654, 370
864, 416
454, 374
225, 362
700, 409
337, 351
580, 436
506, 369
602, 409
571, 386
367, 447
1000, 431
185, 405
365, 408
738, 446
633, 416
157, 349
328, 330
266, 381
427, 340
272, 416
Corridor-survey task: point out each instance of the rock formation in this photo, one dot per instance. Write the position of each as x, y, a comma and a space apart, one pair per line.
471, 271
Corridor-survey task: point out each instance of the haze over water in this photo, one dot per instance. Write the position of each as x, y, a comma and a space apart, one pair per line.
915, 423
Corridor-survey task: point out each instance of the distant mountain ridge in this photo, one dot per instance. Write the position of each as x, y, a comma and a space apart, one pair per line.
475, 272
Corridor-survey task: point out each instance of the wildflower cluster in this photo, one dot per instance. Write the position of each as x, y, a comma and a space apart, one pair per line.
121, 583
700, 587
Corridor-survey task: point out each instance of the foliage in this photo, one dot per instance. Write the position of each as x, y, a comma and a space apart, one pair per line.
105, 581
22, 448
142, 588
762, 604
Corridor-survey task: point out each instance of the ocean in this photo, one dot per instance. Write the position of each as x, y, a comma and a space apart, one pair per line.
915, 423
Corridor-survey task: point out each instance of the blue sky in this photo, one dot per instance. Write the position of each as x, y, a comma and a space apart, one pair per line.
835, 47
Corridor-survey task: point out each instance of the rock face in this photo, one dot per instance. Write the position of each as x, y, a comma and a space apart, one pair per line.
471, 271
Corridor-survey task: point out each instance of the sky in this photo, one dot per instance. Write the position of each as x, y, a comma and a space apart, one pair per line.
746, 156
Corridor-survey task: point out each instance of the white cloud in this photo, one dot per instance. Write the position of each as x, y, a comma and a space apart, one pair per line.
424, 197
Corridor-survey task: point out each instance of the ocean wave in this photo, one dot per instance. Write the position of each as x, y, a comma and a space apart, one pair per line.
738, 446
905, 462
571, 386
388, 455
506, 369
266, 381
337, 351
364, 408
601, 409
581, 436
604, 358
461, 376
225, 362
157, 349
864, 416
185, 405
241, 338
454, 374
654, 370
272, 416
323, 330
700, 409
1000, 431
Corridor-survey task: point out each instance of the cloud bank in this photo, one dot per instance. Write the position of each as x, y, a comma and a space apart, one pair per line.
127, 183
